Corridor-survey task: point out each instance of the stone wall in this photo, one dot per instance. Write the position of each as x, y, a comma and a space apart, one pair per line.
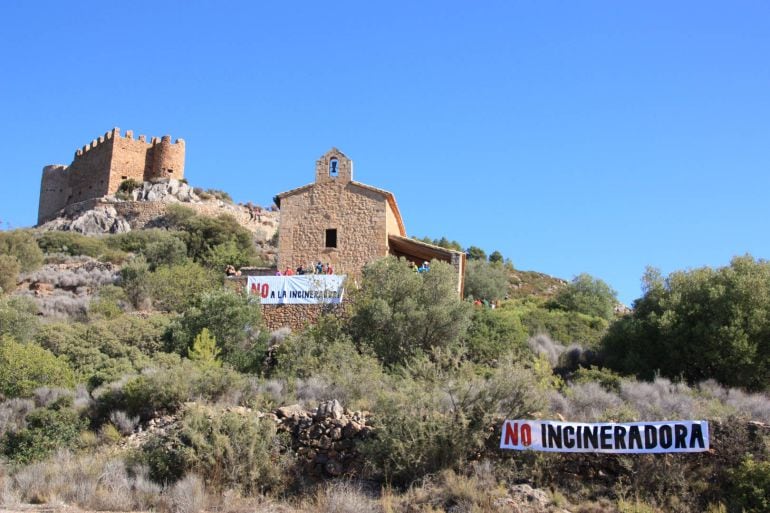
99, 167
296, 317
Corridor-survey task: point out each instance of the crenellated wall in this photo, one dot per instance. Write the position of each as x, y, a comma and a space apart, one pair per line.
99, 167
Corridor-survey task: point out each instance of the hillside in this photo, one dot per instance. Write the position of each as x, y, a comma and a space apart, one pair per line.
132, 380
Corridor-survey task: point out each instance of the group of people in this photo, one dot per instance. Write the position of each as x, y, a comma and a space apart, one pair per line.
486, 304
254, 211
318, 268
424, 268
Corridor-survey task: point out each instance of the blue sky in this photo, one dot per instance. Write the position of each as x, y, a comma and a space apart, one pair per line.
573, 137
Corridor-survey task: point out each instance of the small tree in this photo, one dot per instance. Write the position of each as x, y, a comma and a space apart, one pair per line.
22, 245
476, 253
496, 257
399, 313
587, 295
204, 350
9, 273
485, 281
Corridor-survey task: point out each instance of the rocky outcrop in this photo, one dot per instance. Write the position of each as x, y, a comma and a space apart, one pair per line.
101, 219
325, 441
170, 191
145, 207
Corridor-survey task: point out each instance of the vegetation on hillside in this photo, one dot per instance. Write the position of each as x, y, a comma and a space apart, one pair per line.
163, 342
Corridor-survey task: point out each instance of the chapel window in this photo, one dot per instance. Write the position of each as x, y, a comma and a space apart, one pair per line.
334, 168
331, 238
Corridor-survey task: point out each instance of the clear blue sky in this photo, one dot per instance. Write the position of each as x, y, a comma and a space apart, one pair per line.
574, 137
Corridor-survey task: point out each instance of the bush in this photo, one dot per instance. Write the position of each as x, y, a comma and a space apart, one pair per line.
9, 273
104, 350
22, 245
72, 243
570, 327
426, 426
485, 280
494, 333
164, 386
751, 486
589, 296
174, 288
202, 233
18, 318
324, 364
93, 482
25, 367
156, 245
47, 429
232, 320
227, 449
399, 313
699, 324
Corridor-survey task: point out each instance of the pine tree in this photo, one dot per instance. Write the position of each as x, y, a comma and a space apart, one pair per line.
204, 350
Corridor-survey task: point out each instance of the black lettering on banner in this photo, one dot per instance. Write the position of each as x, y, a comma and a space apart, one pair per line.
591, 437
579, 437
543, 436
650, 437
634, 436
680, 436
569, 437
696, 435
666, 436
606, 435
620, 437
554, 436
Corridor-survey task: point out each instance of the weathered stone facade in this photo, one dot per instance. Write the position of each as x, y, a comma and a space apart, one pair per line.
99, 168
348, 224
336, 220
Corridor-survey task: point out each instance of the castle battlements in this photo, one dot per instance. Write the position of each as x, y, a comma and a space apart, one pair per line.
99, 167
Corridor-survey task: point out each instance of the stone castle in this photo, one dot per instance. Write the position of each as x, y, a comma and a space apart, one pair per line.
99, 168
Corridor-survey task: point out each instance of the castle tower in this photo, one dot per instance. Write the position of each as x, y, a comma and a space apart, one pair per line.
167, 159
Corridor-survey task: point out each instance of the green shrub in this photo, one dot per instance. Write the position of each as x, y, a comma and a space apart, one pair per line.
174, 288
135, 280
424, 426
235, 322
108, 304
47, 430
202, 233
485, 280
494, 333
159, 247
204, 350
18, 318
325, 354
164, 385
751, 486
568, 327
22, 245
72, 243
106, 349
25, 367
699, 324
398, 313
9, 273
228, 450
587, 295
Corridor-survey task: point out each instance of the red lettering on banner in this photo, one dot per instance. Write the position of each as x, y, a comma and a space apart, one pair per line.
526, 435
265, 290
512, 433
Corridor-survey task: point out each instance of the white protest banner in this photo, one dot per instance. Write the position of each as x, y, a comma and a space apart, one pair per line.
606, 437
304, 289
